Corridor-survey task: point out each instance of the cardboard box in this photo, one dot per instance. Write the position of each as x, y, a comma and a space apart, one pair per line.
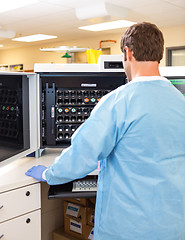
81, 201
75, 210
75, 220
92, 200
77, 229
90, 216
60, 234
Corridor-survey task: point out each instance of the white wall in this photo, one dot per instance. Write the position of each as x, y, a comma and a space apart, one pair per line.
174, 36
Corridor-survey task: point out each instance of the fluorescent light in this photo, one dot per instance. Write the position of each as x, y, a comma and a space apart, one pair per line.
108, 25
64, 48
34, 38
60, 48
13, 4
1, 45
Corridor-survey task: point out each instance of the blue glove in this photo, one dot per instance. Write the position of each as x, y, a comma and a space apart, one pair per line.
36, 172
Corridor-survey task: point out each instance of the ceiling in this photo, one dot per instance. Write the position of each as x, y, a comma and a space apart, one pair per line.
57, 17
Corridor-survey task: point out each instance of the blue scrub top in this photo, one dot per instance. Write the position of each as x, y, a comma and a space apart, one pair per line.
137, 132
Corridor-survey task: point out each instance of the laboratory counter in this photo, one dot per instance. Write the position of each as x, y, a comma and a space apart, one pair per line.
12, 175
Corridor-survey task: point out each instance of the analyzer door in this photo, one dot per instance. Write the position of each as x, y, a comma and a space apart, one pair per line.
16, 115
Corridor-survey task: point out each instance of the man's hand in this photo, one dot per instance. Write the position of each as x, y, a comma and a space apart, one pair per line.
36, 172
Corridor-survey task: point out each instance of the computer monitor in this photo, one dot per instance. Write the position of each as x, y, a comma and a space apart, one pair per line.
176, 75
179, 83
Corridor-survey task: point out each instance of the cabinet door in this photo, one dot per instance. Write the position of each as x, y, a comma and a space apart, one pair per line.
20, 201
26, 227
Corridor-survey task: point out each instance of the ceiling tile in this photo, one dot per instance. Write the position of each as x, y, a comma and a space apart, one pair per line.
73, 3
159, 7
131, 3
35, 10
179, 3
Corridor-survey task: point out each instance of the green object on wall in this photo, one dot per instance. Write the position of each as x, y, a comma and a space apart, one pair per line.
66, 55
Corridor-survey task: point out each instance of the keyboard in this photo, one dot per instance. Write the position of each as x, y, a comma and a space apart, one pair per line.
84, 185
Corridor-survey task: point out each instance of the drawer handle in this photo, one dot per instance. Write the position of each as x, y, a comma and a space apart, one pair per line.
28, 220
28, 193
1, 206
1, 236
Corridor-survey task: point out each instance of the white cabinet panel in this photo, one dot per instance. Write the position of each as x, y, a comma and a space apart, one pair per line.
26, 227
20, 201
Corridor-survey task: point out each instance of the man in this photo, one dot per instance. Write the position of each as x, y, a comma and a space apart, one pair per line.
137, 132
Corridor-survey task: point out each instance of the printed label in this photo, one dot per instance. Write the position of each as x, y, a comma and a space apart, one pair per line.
75, 226
88, 85
72, 210
91, 234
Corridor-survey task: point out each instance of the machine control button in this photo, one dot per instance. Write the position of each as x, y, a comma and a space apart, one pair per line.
73, 128
60, 119
66, 110
60, 136
66, 136
93, 100
60, 128
66, 128
86, 100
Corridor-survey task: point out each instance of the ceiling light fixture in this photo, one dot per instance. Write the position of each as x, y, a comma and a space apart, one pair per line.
1, 45
58, 49
34, 38
100, 9
64, 48
108, 25
6, 33
9, 5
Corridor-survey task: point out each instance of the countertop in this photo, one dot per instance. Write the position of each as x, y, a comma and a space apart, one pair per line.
12, 175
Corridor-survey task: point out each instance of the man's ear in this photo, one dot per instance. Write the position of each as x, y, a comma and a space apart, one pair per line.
128, 53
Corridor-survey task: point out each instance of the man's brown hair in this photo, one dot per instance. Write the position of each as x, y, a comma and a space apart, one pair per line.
145, 40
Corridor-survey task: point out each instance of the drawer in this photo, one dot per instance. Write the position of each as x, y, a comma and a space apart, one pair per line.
20, 201
26, 227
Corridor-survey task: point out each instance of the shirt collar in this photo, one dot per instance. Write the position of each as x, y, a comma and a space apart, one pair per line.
148, 78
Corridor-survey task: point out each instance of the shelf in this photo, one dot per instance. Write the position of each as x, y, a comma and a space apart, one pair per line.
65, 191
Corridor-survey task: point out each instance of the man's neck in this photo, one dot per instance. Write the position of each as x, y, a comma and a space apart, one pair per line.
145, 68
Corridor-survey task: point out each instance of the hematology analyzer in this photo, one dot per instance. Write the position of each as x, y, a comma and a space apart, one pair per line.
69, 92
43, 109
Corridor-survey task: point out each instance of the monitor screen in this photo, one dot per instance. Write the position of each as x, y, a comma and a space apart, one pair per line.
179, 83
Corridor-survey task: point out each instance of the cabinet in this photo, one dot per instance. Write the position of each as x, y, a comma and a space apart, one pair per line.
20, 213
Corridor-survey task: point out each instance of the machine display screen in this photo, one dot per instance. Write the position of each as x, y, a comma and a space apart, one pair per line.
179, 83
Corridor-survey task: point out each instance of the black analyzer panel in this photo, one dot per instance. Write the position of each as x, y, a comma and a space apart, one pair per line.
68, 99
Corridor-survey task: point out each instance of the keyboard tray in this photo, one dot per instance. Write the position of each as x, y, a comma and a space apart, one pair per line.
65, 191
